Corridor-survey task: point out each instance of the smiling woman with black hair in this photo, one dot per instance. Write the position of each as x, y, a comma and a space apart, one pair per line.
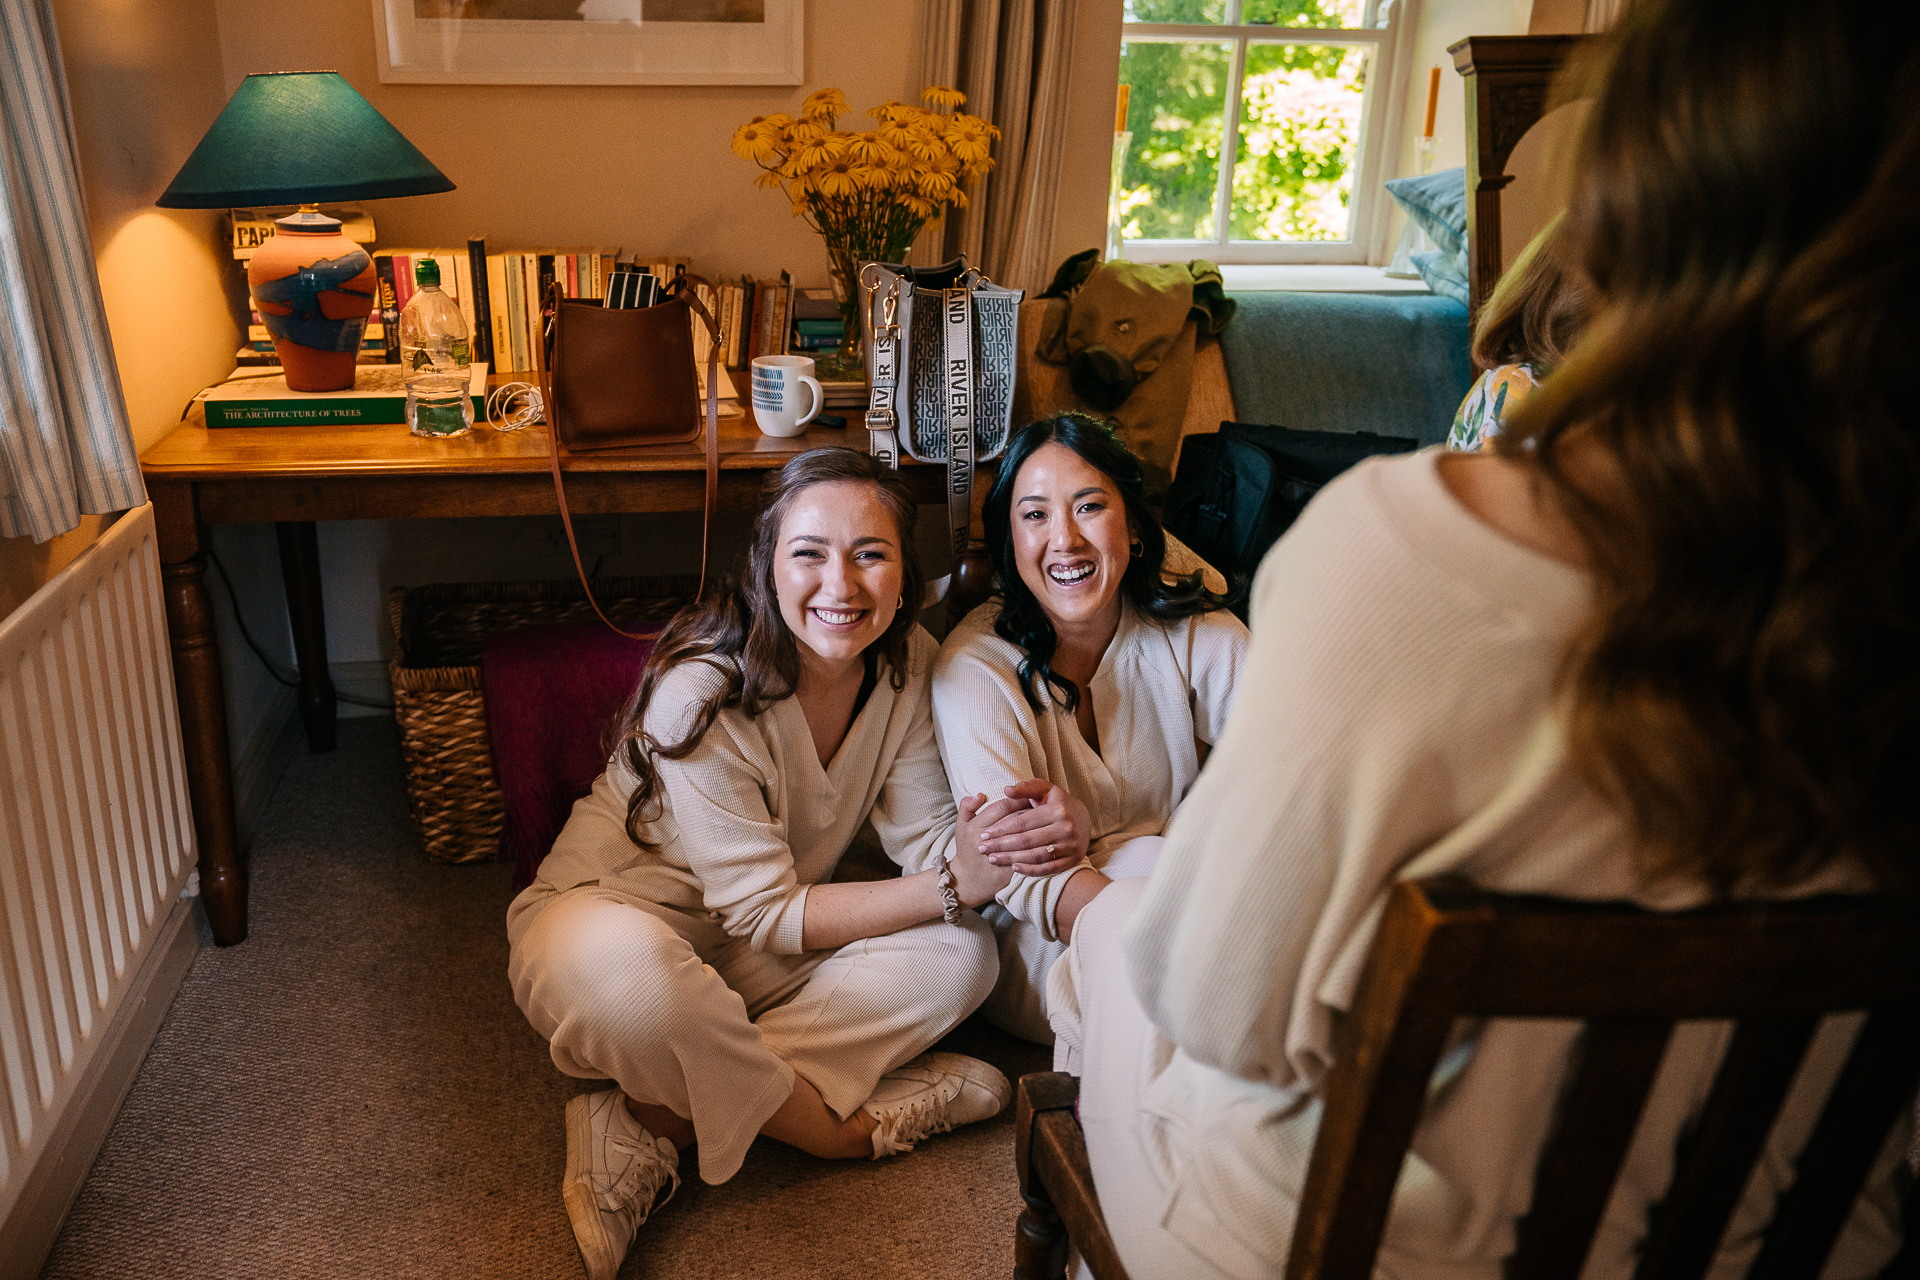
1089, 688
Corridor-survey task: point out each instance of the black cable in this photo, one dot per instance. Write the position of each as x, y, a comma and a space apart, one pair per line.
233, 602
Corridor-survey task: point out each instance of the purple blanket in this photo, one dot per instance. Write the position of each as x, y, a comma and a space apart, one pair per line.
551, 693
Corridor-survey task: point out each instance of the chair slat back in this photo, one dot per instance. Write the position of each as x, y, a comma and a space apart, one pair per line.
1446, 950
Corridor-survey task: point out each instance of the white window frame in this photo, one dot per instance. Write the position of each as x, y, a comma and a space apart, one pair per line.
1370, 208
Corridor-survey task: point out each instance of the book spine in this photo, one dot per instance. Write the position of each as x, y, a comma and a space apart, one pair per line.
403, 281
781, 313
515, 281
482, 299
463, 292
819, 328
536, 306
389, 305
497, 303
813, 342
730, 326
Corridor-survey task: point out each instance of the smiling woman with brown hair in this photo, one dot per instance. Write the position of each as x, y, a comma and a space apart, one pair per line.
683, 938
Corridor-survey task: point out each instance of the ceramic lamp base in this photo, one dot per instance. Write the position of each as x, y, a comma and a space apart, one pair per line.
314, 289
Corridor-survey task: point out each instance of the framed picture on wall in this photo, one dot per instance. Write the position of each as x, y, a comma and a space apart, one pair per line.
589, 41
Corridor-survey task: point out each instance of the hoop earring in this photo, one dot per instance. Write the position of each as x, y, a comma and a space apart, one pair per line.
901, 603
1138, 548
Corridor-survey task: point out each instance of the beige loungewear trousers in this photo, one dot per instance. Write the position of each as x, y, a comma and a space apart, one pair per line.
679, 1013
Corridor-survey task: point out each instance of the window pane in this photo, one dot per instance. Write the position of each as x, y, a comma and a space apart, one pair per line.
1299, 139
1176, 113
1180, 10
1304, 13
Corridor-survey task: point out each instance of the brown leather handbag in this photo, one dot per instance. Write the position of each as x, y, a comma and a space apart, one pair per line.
621, 378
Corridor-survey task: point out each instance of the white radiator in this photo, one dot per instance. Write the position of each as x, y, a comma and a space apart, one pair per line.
96, 839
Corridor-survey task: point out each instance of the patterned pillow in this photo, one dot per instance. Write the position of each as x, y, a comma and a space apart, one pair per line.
1437, 204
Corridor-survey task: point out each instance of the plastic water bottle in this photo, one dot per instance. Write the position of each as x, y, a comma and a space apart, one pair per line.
437, 357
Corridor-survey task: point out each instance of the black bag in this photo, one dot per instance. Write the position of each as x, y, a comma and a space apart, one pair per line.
1235, 493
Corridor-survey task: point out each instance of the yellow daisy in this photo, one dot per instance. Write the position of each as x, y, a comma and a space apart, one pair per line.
755, 141
836, 178
941, 96
925, 143
821, 152
867, 148
934, 184
826, 104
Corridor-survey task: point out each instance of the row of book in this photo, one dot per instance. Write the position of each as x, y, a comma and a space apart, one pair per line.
502, 296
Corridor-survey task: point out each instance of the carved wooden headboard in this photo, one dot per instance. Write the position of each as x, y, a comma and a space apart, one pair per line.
1507, 91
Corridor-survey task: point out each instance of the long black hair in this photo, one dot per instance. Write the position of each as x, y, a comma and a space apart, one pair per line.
1144, 585
742, 622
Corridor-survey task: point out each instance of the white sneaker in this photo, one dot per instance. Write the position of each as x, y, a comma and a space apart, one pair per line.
932, 1094
615, 1170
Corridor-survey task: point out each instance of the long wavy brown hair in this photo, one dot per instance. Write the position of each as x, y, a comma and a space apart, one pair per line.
1737, 438
739, 628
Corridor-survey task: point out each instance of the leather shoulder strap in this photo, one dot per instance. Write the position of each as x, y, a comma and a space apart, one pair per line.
684, 286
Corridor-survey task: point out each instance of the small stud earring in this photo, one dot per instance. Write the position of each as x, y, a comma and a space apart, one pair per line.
901, 603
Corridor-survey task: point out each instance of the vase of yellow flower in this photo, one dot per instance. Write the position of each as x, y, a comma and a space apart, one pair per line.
868, 193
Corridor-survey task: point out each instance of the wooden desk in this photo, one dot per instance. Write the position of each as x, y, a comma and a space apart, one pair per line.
294, 476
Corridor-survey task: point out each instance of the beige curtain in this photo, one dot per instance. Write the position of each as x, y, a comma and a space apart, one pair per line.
1010, 58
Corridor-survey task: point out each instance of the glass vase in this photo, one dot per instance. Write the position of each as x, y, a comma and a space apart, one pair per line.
847, 364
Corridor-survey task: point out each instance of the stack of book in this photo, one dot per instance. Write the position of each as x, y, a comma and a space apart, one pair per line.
817, 324
754, 319
838, 395
252, 228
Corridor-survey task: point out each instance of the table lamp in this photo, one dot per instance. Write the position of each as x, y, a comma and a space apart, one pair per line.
305, 137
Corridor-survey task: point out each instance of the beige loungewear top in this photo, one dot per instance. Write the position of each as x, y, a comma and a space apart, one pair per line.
751, 818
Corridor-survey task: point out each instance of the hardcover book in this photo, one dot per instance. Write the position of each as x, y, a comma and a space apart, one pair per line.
261, 398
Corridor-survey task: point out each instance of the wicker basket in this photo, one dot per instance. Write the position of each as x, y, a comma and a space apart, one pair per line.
438, 634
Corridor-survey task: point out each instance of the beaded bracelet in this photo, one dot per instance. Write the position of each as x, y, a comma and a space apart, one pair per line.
949, 893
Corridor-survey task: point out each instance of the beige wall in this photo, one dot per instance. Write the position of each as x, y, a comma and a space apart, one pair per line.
1445, 22
644, 167
145, 80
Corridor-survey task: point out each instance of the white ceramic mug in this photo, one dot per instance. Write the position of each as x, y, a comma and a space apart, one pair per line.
777, 394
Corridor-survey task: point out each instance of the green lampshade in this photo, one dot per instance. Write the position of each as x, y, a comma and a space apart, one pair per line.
300, 137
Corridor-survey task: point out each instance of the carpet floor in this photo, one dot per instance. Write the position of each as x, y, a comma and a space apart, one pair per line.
352, 1093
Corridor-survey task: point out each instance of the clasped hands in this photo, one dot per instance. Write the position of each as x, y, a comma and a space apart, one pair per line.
1036, 830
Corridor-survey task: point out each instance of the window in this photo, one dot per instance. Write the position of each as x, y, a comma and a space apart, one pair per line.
1308, 93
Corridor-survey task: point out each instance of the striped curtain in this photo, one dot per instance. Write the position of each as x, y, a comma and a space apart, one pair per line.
1010, 58
65, 443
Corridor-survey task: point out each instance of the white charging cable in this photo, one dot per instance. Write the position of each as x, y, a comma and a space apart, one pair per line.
513, 406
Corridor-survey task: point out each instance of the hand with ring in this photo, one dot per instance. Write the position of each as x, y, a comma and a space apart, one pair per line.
1049, 833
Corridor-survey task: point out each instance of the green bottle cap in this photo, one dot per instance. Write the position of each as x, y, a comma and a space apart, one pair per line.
426, 272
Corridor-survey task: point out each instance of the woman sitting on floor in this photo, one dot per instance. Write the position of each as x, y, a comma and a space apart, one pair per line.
1657, 645
683, 939
1092, 685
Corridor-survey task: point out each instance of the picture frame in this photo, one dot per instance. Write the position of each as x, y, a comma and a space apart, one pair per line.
748, 42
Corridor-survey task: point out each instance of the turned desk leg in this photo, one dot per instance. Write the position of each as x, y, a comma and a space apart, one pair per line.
300, 569
203, 726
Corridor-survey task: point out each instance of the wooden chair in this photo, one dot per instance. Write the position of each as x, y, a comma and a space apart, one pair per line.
1446, 950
